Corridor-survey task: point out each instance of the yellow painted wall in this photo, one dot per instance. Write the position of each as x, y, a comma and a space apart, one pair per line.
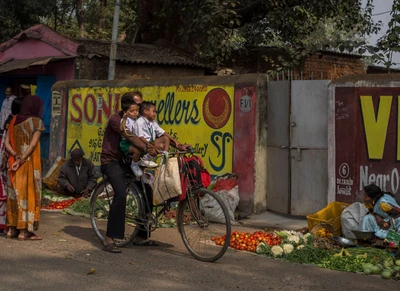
199, 115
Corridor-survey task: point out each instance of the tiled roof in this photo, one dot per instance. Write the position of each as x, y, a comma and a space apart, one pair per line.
138, 53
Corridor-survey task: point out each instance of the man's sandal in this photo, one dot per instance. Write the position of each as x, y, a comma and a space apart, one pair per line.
111, 248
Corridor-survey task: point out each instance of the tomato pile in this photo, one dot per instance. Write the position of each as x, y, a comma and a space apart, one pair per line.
60, 205
245, 241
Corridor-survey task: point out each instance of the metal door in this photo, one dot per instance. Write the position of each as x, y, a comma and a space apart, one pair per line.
43, 90
308, 146
278, 160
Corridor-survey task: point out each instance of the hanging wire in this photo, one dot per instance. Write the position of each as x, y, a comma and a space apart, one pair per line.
382, 13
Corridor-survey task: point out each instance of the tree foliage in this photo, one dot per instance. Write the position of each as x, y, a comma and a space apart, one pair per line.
93, 18
211, 29
17, 15
389, 43
215, 28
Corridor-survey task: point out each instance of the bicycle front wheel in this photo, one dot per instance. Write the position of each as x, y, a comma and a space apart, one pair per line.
202, 218
100, 203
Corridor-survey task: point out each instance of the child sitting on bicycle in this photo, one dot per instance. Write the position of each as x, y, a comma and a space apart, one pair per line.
131, 113
147, 129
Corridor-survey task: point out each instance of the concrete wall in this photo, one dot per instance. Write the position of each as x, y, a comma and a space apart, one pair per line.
363, 136
225, 117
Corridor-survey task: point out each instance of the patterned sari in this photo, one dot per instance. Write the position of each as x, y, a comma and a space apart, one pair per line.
3, 181
23, 205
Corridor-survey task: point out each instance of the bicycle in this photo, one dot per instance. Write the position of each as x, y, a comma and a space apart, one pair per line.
201, 215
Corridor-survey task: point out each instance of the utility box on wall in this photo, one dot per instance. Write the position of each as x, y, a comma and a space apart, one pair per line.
364, 128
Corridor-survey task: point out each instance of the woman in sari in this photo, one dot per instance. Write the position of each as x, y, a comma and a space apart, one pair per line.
22, 143
384, 212
4, 185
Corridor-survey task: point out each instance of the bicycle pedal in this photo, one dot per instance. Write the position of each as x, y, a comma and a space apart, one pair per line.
140, 220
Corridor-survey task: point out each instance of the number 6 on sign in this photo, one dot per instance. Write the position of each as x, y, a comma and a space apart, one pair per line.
344, 170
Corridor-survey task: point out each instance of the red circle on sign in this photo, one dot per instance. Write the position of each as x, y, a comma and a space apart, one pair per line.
217, 108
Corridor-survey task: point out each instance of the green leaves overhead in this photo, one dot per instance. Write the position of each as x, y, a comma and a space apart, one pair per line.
389, 43
295, 26
211, 29
17, 15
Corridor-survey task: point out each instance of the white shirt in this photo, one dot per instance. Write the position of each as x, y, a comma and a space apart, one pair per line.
129, 124
78, 168
150, 130
6, 110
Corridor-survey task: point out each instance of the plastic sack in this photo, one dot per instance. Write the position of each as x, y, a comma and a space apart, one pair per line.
351, 218
225, 186
51, 178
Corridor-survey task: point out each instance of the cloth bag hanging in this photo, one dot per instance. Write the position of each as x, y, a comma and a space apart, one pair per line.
167, 183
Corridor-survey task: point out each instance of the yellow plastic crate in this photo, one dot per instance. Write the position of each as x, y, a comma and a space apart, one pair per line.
330, 214
51, 178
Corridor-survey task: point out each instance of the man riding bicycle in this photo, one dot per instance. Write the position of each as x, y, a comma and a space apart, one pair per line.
113, 166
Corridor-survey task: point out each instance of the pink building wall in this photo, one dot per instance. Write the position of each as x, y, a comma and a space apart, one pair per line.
41, 41
30, 49
62, 70
62, 44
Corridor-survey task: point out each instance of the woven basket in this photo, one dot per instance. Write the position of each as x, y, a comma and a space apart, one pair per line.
327, 226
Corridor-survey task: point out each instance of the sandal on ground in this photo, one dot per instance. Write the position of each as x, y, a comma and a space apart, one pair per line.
29, 236
146, 243
111, 248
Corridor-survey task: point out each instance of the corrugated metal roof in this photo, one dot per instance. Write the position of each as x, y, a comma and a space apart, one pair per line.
138, 53
11, 64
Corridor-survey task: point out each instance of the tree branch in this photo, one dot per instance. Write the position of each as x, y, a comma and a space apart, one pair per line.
248, 13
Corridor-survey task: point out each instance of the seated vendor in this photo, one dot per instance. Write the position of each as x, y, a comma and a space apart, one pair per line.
77, 175
384, 212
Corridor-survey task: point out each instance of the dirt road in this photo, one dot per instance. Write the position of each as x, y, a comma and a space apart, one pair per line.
69, 249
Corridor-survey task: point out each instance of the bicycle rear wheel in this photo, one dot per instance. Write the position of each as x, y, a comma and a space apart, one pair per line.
100, 202
202, 217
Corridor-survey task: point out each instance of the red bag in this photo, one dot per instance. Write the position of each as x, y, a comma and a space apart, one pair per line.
192, 171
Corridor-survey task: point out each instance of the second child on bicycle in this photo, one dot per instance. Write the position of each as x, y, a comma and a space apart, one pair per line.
147, 129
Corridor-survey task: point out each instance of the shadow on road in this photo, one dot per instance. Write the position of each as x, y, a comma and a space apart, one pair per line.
84, 233
87, 234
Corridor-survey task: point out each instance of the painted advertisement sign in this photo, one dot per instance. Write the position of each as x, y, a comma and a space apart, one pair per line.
197, 114
367, 128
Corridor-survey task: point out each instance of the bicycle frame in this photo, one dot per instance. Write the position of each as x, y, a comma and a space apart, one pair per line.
144, 216
148, 210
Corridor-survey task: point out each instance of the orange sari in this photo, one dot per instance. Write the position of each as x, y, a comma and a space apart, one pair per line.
23, 208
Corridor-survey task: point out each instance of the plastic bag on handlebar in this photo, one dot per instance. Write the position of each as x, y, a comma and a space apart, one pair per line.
167, 182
